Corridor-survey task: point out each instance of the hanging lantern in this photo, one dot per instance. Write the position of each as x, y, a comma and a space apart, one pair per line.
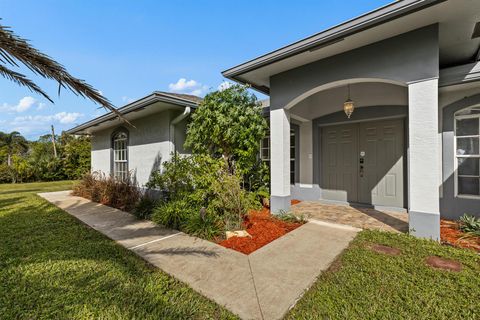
348, 105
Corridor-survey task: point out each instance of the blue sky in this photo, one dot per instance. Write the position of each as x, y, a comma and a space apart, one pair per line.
127, 49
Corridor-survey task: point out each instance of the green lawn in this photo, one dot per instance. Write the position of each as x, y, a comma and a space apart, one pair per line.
52, 266
364, 284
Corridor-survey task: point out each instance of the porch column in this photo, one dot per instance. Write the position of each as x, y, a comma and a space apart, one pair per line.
279, 160
423, 159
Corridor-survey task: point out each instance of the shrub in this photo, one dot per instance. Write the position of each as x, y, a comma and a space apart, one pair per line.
470, 224
231, 201
200, 181
205, 225
173, 214
290, 217
6, 173
120, 194
183, 175
144, 207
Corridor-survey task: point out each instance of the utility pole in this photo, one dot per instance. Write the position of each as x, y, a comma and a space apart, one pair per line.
53, 142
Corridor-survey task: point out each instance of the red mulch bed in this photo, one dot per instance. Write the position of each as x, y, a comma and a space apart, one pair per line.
263, 228
450, 234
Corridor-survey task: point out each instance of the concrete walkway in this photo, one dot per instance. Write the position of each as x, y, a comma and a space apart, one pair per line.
262, 285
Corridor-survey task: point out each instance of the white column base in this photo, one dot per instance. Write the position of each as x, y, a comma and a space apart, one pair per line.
424, 225
279, 204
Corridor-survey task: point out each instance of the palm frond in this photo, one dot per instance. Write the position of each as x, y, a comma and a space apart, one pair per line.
13, 48
22, 80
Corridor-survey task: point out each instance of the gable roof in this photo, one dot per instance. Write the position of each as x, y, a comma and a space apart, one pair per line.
169, 98
190, 97
458, 18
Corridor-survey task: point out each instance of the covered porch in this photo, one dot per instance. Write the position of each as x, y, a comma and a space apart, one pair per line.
386, 155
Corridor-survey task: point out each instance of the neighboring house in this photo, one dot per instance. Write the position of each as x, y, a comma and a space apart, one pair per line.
158, 128
411, 71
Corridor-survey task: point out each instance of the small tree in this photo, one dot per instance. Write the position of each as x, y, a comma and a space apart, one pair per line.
13, 143
228, 124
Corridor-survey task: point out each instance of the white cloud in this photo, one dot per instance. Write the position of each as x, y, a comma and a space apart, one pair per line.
224, 85
182, 85
23, 105
188, 86
41, 106
61, 117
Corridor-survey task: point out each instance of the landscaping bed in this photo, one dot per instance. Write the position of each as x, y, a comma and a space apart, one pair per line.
263, 228
451, 234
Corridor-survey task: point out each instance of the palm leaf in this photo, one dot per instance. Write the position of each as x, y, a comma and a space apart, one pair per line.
20, 79
13, 49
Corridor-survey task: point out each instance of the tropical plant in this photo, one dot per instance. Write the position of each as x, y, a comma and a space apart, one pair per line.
15, 50
228, 124
187, 176
205, 225
469, 224
173, 214
26, 161
75, 153
204, 198
13, 143
144, 207
230, 201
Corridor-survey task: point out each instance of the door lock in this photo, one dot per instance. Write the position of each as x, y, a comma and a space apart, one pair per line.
361, 171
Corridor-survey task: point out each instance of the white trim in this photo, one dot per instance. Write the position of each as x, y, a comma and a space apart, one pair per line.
401, 116
455, 156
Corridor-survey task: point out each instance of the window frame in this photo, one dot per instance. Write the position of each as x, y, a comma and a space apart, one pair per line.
456, 117
295, 133
113, 153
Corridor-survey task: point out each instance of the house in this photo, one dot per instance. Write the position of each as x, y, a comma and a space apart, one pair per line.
157, 128
382, 110
411, 71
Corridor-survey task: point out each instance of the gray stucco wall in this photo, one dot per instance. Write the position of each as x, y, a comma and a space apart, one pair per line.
405, 58
149, 145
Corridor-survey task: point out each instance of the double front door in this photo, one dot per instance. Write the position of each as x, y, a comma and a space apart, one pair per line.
364, 162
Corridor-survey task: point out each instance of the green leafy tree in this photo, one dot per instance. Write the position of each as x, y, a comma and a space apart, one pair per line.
75, 152
41, 156
13, 143
228, 124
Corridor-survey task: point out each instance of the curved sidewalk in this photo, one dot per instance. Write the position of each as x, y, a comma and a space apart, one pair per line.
262, 285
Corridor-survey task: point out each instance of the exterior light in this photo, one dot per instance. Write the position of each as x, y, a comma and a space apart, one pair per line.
348, 106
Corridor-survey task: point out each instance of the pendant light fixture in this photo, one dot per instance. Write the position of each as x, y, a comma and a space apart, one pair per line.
348, 105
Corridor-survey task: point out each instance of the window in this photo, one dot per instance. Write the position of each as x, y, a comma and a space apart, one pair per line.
467, 152
265, 153
120, 155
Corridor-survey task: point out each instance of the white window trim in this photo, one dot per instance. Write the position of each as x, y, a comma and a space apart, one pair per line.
292, 134
455, 156
114, 160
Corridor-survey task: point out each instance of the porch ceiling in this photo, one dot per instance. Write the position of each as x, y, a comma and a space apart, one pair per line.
363, 94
